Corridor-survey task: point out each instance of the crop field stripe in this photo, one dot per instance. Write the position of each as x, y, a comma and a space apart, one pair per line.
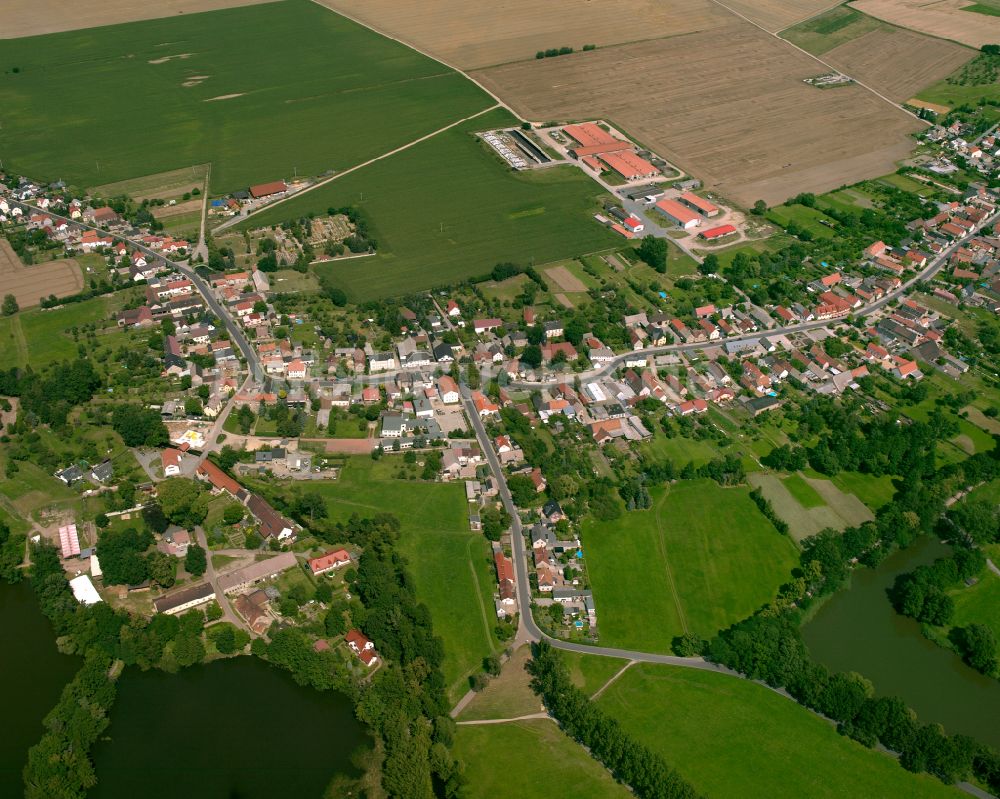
242, 219
666, 564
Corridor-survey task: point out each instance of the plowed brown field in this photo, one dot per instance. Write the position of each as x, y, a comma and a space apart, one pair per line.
899, 63
471, 35
728, 105
944, 18
30, 283
34, 17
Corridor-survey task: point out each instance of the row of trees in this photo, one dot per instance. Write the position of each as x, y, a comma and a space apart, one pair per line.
632, 763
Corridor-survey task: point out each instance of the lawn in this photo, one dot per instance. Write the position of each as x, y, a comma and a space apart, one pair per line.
260, 92
702, 558
41, 337
804, 493
448, 209
909, 184
979, 603
530, 760
734, 738
449, 563
507, 696
589, 673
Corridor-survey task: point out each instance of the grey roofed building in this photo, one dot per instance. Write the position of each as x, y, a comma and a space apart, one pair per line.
759, 405
650, 191
102, 472
70, 474
184, 599
443, 353
240, 579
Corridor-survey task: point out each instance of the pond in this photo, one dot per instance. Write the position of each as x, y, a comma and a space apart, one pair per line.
32, 675
232, 728
225, 730
857, 630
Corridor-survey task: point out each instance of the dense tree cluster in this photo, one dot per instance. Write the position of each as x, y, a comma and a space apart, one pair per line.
632, 763
11, 554
49, 396
139, 427
768, 646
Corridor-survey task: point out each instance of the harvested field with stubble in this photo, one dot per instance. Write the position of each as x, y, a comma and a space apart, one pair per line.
898, 63
33, 17
162, 186
565, 279
29, 283
738, 116
476, 35
776, 15
943, 18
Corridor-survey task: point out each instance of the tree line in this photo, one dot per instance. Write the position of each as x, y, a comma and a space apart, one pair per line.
632, 763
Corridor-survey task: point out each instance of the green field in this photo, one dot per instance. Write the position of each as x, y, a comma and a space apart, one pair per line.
909, 184
41, 337
804, 493
449, 209
734, 739
316, 92
702, 558
873, 491
980, 8
530, 760
822, 33
449, 563
979, 603
805, 218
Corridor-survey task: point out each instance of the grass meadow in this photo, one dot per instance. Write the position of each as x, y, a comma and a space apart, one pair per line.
540, 762
702, 558
448, 209
450, 564
260, 92
41, 337
732, 739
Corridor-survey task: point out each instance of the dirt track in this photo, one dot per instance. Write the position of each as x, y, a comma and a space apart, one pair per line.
35, 17
737, 116
30, 283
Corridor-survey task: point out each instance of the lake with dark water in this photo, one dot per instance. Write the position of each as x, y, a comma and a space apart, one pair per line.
858, 630
231, 729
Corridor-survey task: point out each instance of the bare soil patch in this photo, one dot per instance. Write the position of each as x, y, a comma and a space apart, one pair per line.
776, 15
937, 108
35, 17
942, 18
565, 279
737, 115
564, 301
167, 211
166, 58
30, 283
475, 35
899, 63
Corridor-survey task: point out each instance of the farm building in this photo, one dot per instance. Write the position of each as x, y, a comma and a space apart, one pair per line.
268, 189
592, 139
717, 232
679, 214
629, 165
699, 204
